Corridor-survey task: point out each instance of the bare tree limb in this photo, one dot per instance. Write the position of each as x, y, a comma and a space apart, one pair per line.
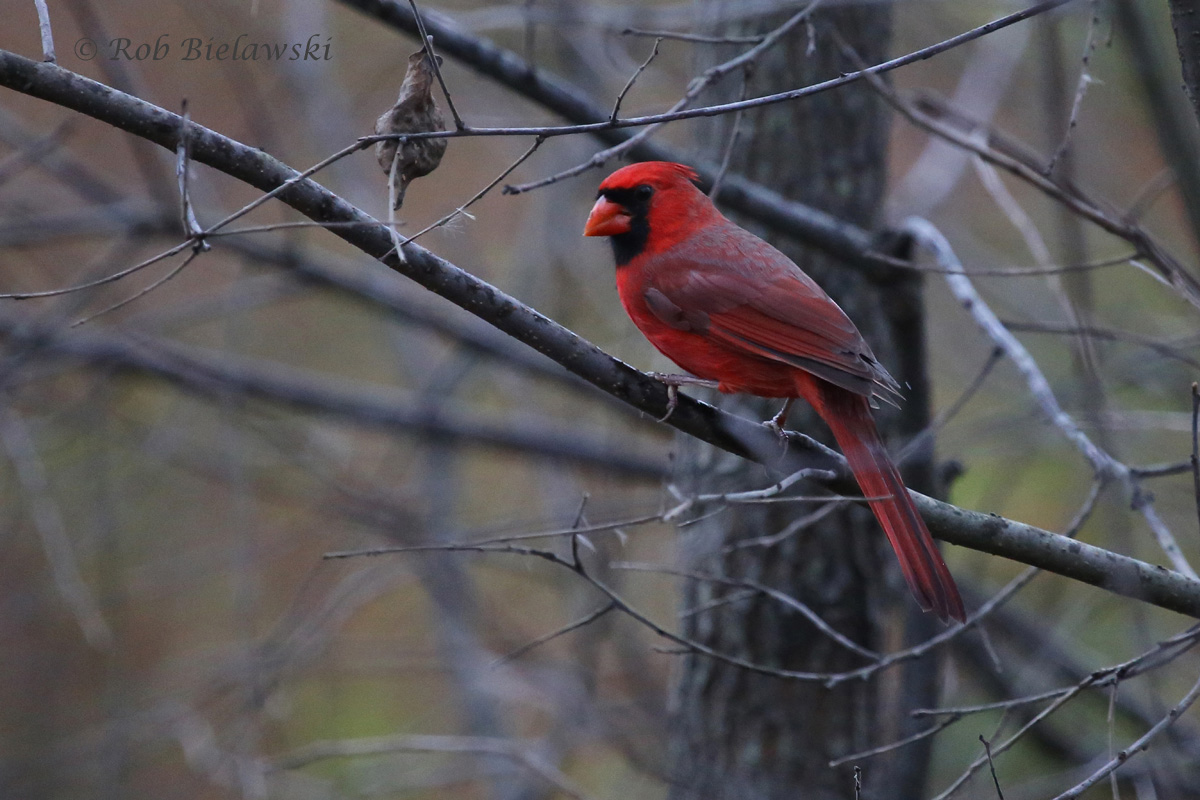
1103, 464
516, 750
1083, 562
56, 539
1185, 19
804, 223
1177, 135
210, 375
737, 435
1136, 747
1011, 157
70, 90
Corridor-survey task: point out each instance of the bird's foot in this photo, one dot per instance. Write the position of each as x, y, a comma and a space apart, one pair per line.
672, 401
673, 382
775, 424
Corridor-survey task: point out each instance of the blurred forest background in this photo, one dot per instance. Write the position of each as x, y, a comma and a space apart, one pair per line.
169, 626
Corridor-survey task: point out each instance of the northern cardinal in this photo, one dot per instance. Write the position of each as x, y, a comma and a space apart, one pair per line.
728, 307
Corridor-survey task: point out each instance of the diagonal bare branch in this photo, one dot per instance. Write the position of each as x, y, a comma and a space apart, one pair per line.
737, 435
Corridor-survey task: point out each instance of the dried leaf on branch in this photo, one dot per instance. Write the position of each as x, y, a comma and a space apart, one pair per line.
414, 112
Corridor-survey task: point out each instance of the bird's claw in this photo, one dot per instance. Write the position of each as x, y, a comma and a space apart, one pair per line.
672, 401
775, 424
778, 430
673, 382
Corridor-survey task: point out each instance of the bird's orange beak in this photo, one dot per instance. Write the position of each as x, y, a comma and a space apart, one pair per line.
607, 219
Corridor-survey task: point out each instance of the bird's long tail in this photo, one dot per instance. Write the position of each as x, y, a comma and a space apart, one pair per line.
848, 416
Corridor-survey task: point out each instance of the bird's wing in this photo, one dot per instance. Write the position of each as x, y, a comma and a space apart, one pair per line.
757, 300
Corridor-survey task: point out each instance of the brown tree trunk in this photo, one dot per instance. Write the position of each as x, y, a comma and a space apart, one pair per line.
736, 734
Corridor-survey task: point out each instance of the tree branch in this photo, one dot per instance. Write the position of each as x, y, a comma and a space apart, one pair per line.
801, 222
1185, 19
1073, 559
739, 436
256, 168
1177, 137
203, 373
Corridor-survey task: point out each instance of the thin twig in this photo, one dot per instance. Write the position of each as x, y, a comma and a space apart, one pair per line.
1196, 444
541, 640
1039, 387
695, 88
692, 37
1109, 334
753, 495
48, 521
289, 183
283, 226
574, 530
1112, 707
734, 135
1162, 470
990, 178
515, 750
393, 190
44, 27
1185, 641
987, 748
1085, 80
1169, 269
1021, 221
632, 78
739, 436
191, 227
944, 417
756, 102
717, 602
79, 287
999, 705
427, 41
775, 594
1023, 272
145, 290
1102, 463
687, 645
896, 745
1136, 747
795, 220
462, 209
220, 375
790, 530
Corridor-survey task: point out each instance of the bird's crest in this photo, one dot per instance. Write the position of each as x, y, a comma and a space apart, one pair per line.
656, 173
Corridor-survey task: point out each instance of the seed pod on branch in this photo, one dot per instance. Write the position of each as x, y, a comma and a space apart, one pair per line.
414, 112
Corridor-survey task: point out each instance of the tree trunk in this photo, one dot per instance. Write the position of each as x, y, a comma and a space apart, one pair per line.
737, 734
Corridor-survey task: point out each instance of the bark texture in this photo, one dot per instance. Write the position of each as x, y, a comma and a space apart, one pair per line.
1185, 19
746, 736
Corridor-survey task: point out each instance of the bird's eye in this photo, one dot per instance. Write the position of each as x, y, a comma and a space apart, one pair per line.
643, 192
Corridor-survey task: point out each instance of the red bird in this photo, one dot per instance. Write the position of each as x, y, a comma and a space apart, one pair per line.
728, 307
